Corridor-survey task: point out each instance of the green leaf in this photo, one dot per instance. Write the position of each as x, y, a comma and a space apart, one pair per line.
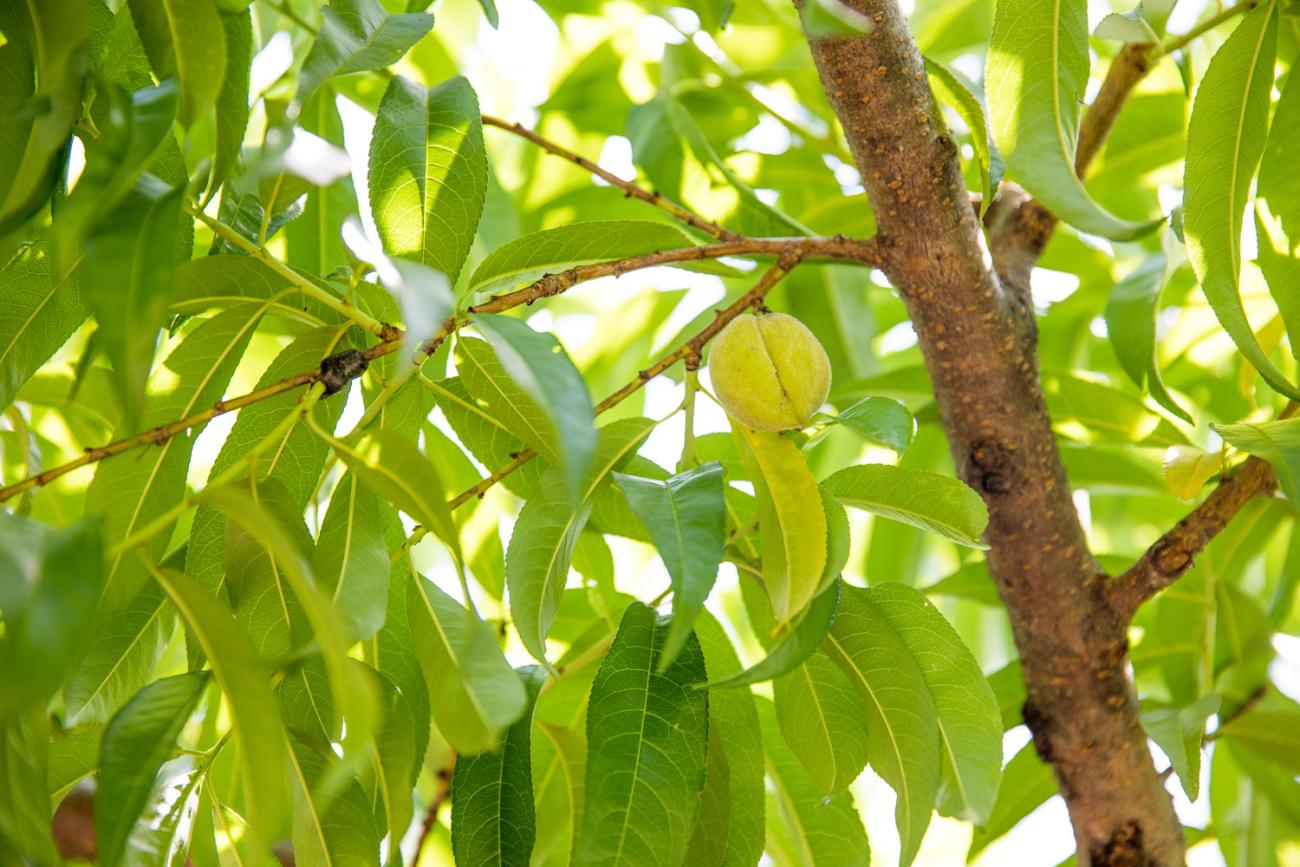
394, 761
1278, 185
647, 738
232, 101
880, 420
821, 715
934, 502
481, 430
732, 799
351, 560
133, 489
792, 521
967, 98
793, 644
329, 829
164, 833
246, 685
224, 280
559, 757
1089, 411
525, 259
901, 721
392, 466
1179, 731
392, 652
687, 520
136, 743
803, 827
833, 18
492, 812
1035, 79
1131, 327
357, 35
970, 725
1026, 783
1225, 139
129, 144
43, 63
49, 599
126, 278
1277, 442
1272, 734
185, 38
538, 364
427, 158
24, 796
543, 539
37, 315
474, 693
73, 757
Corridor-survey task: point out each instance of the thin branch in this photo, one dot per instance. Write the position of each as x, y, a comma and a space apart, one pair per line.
1173, 553
838, 248
1204, 27
679, 212
340, 305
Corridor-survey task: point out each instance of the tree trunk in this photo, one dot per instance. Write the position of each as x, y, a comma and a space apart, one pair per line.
977, 334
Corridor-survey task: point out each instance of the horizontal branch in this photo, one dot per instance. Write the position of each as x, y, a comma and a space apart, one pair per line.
838, 248
1173, 553
679, 212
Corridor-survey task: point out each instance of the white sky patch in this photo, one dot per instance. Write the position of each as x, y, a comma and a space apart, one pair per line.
652, 34
769, 136
76, 162
901, 336
358, 126
1050, 287
616, 157
270, 63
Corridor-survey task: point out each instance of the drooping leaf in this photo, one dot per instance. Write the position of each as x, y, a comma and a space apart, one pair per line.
72, 758
1179, 732
1272, 734
126, 278
1225, 139
315, 241
357, 35
538, 364
44, 59
49, 599
822, 718
394, 759
136, 743
24, 794
474, 693
486, 433
647, 738
37, 315
1035, 79
329, 829
164, 833
492, 813
687, 520
1131, 326
803, 827
495, 397
1092, 411
901, 719
792, 522
392, 652
184, 38
970, 726
729, 828
1277, 442
931, 501
245, 683
1186, 469
351, 560
559, 757
542, 542
525, 259
427, 159
232, 101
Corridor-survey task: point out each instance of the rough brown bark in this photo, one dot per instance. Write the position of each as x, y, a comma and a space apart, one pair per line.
977, 334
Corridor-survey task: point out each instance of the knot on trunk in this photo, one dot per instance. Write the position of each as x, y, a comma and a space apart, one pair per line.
992, 469
1124, 848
